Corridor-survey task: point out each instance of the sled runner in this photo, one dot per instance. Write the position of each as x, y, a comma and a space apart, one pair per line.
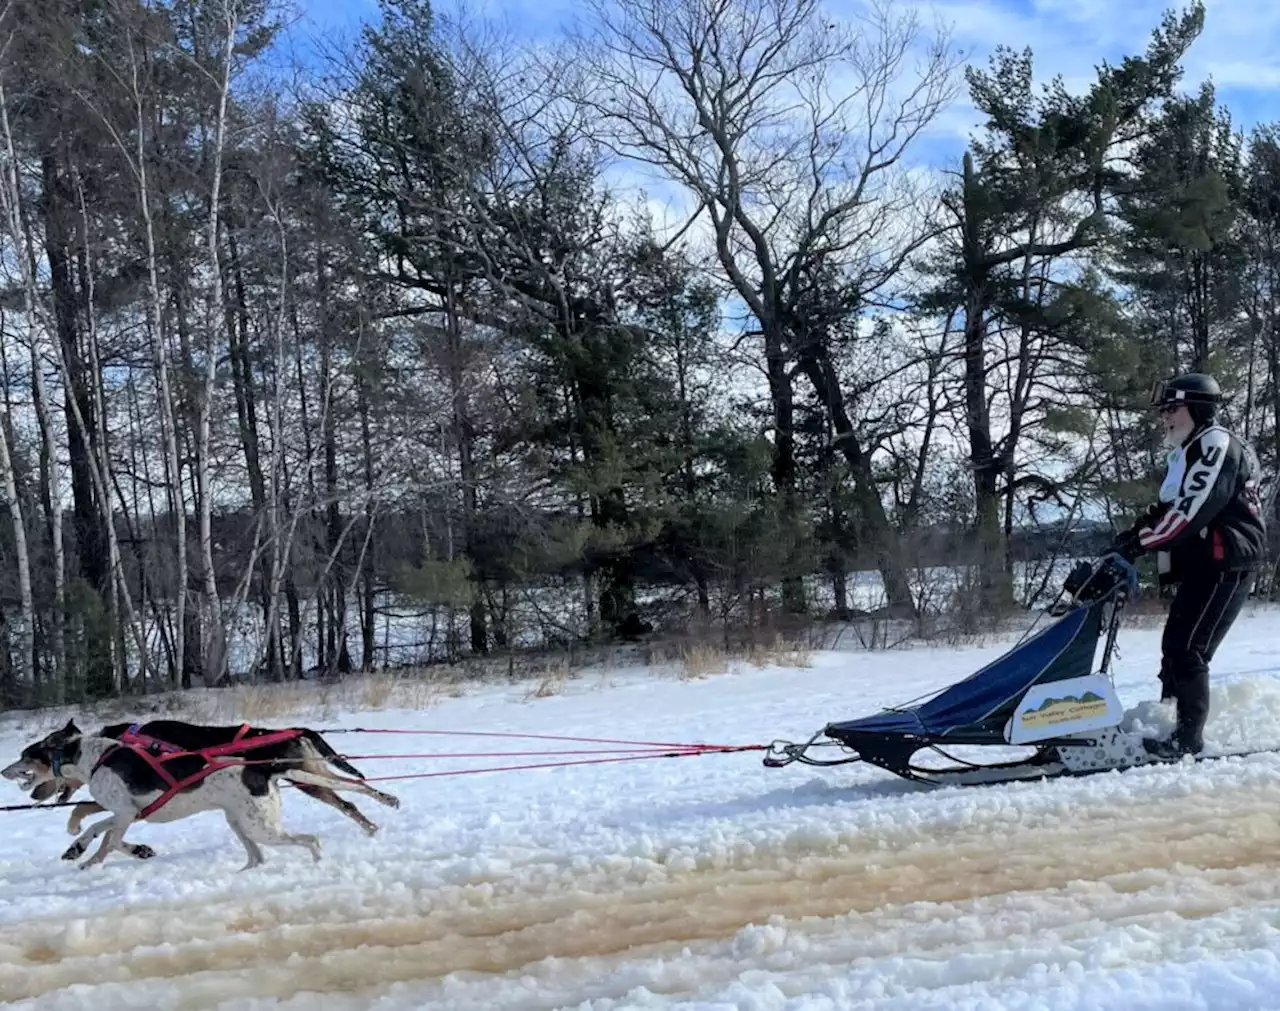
1044, 693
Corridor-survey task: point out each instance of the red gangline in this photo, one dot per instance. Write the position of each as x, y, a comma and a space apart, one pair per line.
556, 765
637, 753
631, 754
692, 749
530, 737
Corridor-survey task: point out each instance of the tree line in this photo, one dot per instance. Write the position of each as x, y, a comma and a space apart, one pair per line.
398, 356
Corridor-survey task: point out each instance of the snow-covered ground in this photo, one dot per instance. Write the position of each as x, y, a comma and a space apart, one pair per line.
707, 882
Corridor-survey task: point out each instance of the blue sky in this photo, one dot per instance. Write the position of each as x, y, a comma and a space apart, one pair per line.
1239, 49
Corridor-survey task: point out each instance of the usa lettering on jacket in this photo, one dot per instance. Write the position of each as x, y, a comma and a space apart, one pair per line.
1189, 484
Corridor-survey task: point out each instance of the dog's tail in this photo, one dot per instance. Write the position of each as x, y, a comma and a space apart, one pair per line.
327, 752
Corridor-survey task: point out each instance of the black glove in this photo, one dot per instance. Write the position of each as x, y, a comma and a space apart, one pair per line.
1084, 582
1077, 577
1127, 545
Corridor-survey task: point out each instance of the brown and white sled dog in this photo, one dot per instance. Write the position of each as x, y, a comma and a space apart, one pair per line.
123, 782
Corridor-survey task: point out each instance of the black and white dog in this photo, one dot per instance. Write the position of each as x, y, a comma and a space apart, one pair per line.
193, 737
124, 782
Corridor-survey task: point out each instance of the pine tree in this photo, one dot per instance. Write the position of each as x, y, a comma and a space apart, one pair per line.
1181, 256
1033, 190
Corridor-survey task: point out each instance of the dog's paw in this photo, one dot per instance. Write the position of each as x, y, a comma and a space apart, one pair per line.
73, 853
143, 852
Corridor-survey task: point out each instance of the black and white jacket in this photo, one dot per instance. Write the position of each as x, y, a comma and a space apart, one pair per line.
1209, 515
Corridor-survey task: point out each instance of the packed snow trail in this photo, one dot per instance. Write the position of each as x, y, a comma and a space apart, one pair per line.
1108, 860
700, 883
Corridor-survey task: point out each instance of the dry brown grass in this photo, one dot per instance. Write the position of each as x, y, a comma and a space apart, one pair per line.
552, 681
274, 703
781, 652
701, 660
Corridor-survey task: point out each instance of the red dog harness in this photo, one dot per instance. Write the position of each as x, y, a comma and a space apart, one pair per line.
156, 753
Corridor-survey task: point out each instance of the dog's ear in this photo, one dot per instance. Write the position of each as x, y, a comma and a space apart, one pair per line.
71, 727
45, 790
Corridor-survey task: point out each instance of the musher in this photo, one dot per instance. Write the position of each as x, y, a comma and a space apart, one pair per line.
1208, 529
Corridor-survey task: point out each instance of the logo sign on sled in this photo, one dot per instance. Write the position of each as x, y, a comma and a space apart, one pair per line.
1065, 707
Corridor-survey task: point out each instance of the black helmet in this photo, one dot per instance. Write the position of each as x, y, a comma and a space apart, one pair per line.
1199, 391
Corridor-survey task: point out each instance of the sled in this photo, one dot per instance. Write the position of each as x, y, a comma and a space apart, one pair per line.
1043, 693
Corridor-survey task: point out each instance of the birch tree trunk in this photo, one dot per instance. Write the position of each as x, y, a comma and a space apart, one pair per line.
160, 358
52, 493
10, 195
275, 489
26, 666
364, 574
51, 501
215, 652
119, 657
51, 497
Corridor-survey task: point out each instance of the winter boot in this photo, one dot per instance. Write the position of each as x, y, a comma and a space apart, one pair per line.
1048, 755
1172, 748
1189, 685
1186, 739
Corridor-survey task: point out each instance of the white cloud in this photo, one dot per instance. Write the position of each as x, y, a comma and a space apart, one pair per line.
1239, 50
1239, 47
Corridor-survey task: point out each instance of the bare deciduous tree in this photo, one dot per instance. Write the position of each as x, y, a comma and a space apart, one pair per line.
788, 128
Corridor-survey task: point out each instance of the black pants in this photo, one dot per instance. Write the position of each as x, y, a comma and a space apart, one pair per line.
1202, 612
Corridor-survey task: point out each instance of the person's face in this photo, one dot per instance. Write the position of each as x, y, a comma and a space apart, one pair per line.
1177, 422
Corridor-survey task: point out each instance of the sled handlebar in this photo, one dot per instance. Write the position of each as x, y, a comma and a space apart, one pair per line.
1085, 575
1125, 566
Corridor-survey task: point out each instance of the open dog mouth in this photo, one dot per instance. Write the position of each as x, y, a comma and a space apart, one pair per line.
23, 774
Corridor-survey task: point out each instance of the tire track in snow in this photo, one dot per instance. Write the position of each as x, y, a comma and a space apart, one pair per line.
340, 939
